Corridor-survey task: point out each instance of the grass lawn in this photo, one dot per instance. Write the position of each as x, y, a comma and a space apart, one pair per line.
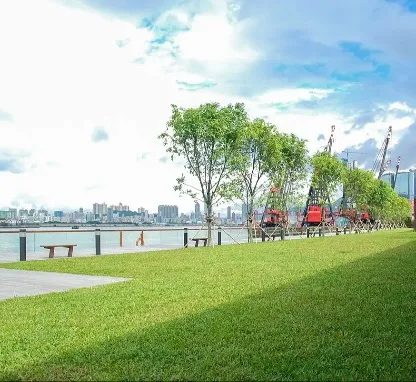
333, 308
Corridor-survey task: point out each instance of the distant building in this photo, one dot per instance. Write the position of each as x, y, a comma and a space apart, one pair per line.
58, 214
166, 213
229, 213
197, 211
405, 184
244, 212
13, 213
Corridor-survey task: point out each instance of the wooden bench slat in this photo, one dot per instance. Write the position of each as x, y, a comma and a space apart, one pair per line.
53, 246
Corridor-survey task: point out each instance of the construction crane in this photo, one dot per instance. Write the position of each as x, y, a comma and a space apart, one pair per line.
274, 215
397, 170
314, 213
380, 165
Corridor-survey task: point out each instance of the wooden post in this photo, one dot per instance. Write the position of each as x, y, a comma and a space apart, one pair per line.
121, 238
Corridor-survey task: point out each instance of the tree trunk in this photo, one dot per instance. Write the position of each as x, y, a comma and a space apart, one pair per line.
209, 219
250, 225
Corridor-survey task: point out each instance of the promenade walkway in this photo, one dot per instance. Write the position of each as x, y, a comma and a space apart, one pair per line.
18, 283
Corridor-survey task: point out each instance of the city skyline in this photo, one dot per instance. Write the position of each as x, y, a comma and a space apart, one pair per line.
80, 122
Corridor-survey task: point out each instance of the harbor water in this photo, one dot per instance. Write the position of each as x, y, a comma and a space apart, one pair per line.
155, 238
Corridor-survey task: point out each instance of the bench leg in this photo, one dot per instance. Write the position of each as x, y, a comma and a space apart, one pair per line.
51, 252
70, 250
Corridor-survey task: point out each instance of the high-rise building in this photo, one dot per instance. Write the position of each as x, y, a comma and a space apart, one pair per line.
229, 213
197, 211
58, 214
244, 212
95, 209
405, 184
13, 213
167, 212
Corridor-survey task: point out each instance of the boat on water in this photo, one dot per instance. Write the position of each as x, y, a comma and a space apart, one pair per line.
75, 227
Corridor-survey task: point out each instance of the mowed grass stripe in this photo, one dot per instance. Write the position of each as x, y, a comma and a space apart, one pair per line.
330, 308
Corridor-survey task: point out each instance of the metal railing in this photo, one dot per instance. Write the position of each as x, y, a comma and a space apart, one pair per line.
127, 240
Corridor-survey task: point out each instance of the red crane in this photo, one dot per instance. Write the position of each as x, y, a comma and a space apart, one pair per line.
315, 213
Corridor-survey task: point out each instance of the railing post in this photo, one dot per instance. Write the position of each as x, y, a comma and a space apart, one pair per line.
97, 241
282, 234
307, 232
22, 238
345, 230
320, 231
219, 236
185, 237
263, 235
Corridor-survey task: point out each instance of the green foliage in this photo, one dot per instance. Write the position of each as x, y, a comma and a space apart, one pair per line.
207, 138
377, 197
290, 172
268, 158
327, 173
340, 309
357, 185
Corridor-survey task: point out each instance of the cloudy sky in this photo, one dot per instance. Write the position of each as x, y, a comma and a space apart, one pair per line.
86, 86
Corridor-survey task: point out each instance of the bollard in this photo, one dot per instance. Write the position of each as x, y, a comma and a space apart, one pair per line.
337, 232
97, 241
307, 233
320, 231
121, 238
185, 237
263, 235
345, 230
282, 234
219, 237
22, 238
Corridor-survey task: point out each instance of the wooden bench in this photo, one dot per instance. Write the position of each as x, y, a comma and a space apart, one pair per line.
197, 239
52, 249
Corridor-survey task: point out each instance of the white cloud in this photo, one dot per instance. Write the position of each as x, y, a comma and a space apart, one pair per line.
63, 73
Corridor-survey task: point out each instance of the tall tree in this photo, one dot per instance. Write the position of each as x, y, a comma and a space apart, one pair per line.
327, 174
268, 158
208, 139
259, 147
357, 185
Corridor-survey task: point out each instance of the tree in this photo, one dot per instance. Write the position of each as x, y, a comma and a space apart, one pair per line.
379, 197
291, 171
268, 158
326, 176
357, 185
208, 139
259, 149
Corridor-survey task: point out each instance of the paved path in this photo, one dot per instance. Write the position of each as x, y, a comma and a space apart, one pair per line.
18, 283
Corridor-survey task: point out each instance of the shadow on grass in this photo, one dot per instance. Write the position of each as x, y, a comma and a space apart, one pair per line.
353, 322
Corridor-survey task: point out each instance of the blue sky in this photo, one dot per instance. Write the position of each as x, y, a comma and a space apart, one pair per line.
97, 77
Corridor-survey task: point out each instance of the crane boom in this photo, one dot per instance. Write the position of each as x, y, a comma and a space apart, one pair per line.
380, 163
397, 170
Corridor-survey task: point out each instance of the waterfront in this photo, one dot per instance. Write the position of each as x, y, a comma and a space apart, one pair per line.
155, 238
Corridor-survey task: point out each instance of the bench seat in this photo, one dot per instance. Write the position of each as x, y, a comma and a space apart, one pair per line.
197, 239
53, 246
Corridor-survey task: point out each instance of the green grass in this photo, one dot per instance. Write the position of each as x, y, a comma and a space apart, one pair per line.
339, 308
